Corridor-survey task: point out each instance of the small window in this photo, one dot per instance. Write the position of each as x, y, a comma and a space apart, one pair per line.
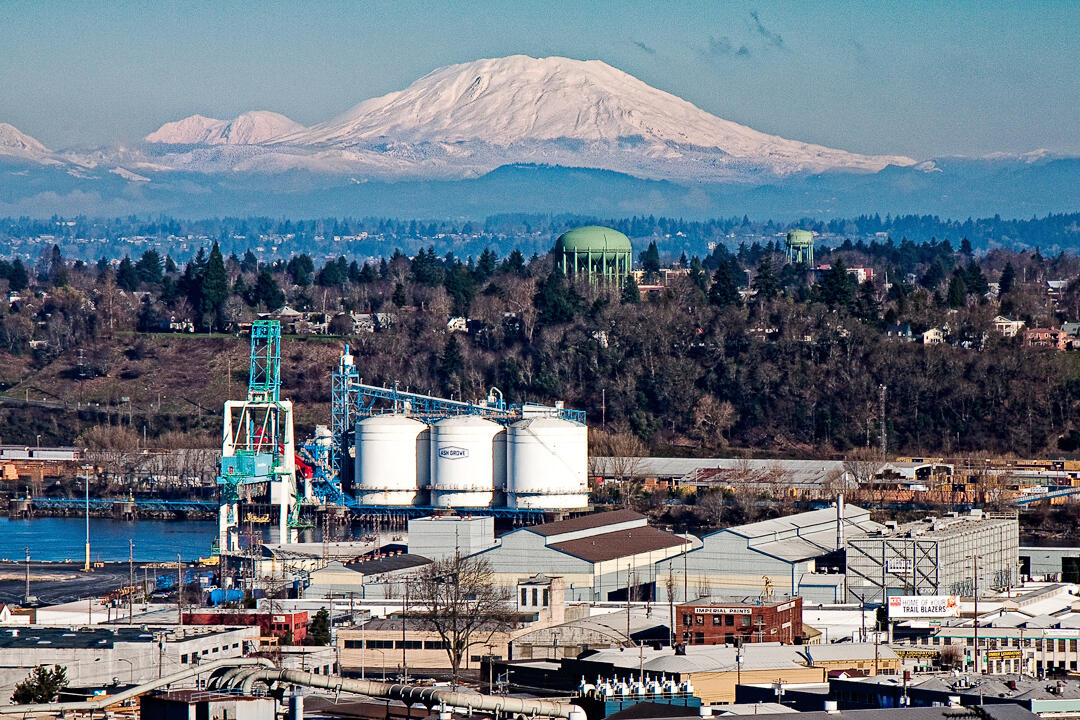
183, 659
716, 619
547, 598
699, 638
534, 602
686, 619
699, 620
524, 596
729, 620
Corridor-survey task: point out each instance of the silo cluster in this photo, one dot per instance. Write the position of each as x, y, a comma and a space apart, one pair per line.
466, 461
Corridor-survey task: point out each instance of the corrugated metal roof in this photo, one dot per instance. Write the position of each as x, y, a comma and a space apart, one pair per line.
586, 522
621, 543
852, 514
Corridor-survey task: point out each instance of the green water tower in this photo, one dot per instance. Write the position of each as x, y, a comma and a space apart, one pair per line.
800, 246
599, 253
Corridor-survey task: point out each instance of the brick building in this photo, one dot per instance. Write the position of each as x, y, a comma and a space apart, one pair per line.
279, 624
739, 620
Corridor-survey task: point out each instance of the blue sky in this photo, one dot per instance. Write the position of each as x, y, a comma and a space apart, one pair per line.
921, 79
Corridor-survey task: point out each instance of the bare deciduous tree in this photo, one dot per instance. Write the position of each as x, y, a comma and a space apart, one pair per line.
460, 600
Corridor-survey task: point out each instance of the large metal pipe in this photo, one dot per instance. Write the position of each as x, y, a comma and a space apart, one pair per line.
414, 695
190, 672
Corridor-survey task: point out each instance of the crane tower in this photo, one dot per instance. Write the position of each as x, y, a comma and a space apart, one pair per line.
258, 446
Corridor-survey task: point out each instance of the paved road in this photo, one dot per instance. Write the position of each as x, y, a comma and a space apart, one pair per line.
55, 583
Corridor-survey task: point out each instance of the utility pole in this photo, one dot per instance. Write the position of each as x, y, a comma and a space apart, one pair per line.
131, 579
975, 571
179, 591
404, 611
86, 482
881, 412
628, 566
27, 595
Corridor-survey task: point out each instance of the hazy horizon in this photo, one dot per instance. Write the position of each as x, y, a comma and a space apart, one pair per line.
920, 80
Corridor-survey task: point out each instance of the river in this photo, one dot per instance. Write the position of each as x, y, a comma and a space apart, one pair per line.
54, 539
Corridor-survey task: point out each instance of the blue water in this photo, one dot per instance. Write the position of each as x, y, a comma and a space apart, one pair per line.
64, 539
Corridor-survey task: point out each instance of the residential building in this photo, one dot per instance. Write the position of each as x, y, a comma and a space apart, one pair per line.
933, 336
1007, 327
1046, 337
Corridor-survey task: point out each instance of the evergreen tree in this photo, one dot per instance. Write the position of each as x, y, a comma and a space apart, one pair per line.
398, 298
170, 265
367, 275
837, 287
267, 293
214, 288
725, 284
461, 288
650, 259
249, 263
301, 269
766, 282
867, 307
697, 275
319, 630
514, 263
975, 280
18, 278
965, 247
452, 362
126, 277
42, 685
957, 295
1008, 278
556, 301
630, 294
149, 268
486, 265
934, 275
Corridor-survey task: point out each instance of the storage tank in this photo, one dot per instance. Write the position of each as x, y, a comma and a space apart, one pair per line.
467, 463
391, 460
546, 464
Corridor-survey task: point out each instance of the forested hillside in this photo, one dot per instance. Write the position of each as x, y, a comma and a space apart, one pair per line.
739, 350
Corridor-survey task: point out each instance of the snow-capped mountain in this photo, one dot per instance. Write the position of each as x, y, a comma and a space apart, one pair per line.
520, 101
14, 142
466, 120
250, 128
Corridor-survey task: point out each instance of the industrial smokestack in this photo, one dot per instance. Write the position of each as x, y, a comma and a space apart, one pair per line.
840, 521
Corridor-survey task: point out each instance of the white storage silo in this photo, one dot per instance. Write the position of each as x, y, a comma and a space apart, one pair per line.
391, 460
465, 469
546, 464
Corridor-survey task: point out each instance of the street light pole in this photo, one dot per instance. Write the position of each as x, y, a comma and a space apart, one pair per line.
86, 563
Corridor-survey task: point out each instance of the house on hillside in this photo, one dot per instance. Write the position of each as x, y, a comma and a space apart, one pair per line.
1046, 337
1007, 327
933, 336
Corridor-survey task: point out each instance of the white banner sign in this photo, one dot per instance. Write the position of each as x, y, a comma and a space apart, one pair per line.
924, 606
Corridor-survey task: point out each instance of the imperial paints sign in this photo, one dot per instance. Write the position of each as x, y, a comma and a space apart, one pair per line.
924, 606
